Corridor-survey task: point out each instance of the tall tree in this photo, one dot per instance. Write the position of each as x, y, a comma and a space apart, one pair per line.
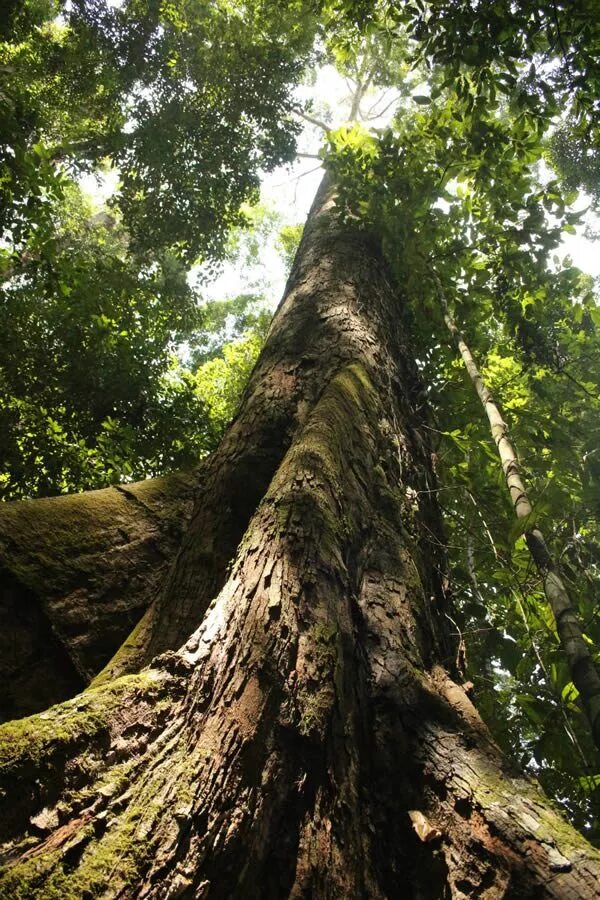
289, 716
297, 731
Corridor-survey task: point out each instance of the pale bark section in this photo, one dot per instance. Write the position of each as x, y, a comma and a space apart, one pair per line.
76, 573
577, 652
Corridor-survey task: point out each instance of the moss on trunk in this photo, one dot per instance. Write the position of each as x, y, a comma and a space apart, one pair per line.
76, 573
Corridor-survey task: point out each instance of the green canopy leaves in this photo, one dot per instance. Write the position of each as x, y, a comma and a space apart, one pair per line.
187, 100
175, 108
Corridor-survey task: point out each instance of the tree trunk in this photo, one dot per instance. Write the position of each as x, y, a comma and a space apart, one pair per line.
298, 734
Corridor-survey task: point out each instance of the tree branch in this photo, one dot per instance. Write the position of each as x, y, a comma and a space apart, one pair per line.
313, 121
378, 115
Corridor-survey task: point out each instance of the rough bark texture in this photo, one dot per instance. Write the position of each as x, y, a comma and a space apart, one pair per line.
76, 573
313, 334
306, 740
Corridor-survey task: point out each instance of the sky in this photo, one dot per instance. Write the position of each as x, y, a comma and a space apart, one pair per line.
584, 253
289, 190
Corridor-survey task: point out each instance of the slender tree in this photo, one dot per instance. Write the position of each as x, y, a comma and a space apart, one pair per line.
578, 654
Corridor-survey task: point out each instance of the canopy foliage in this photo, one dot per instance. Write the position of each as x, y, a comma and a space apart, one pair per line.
174, 109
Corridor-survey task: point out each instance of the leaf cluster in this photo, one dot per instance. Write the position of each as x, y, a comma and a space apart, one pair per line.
188, 101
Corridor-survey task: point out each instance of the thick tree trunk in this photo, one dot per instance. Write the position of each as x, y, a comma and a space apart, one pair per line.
316, 331
306, 739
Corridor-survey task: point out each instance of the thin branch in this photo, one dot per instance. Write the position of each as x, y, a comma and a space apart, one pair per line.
485, 525
581, 386
350, 84
461, 651
312, 120
297, 177
379, 100
384, 110
309, 172
308, 156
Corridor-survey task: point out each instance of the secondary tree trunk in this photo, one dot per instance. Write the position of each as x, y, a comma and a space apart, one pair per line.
298, 734
578, 654
76, 574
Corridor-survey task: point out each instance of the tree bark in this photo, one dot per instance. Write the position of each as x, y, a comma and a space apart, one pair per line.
314, 332
298, 734
76, 573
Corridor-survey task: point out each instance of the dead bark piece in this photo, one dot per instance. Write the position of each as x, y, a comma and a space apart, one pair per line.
423, 827
70, 837
46, 820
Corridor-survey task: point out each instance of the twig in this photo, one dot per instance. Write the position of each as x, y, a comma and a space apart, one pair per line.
312, 120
